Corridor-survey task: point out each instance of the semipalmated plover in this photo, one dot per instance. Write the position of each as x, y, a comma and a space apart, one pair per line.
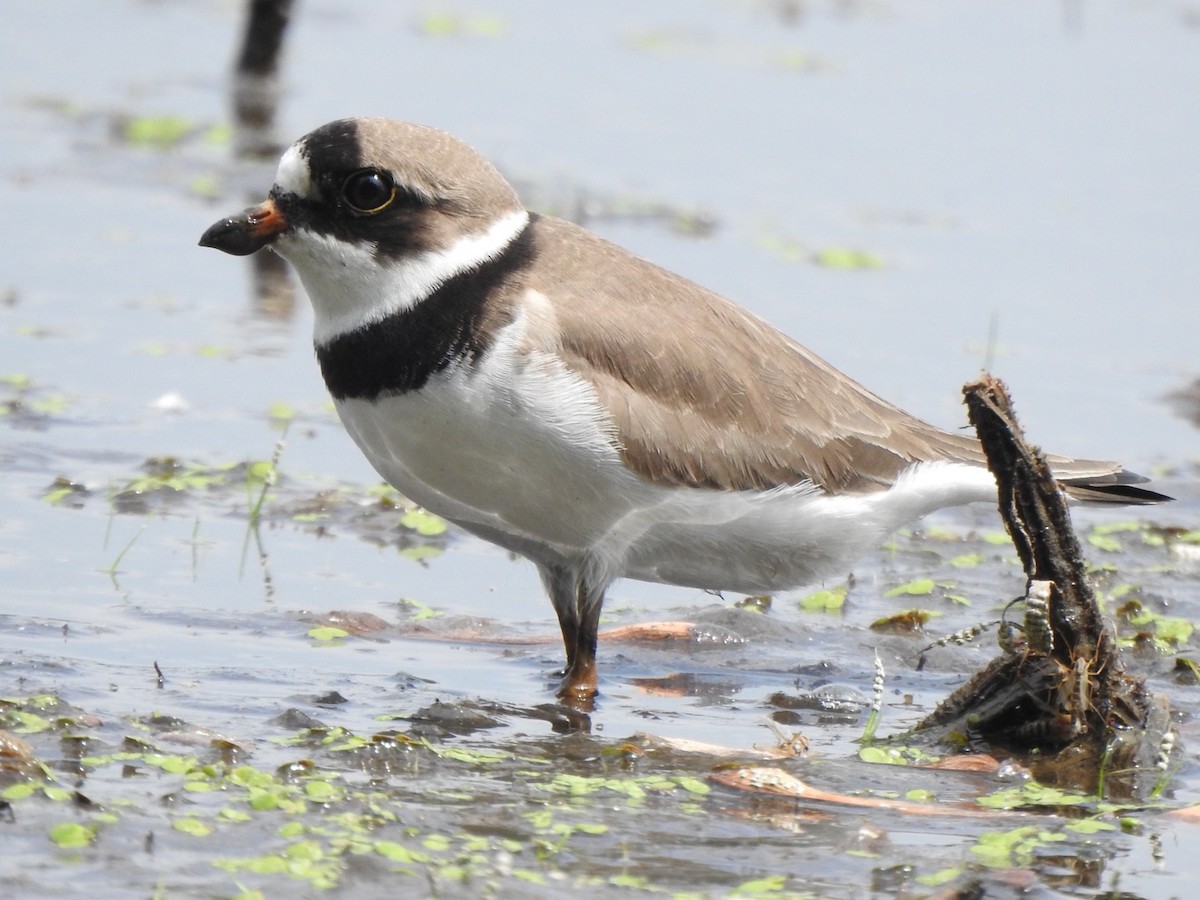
557, 395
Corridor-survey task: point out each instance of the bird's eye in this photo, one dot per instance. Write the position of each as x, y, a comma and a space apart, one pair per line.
369, 191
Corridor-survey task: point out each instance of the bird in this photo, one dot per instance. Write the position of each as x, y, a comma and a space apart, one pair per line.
573, 403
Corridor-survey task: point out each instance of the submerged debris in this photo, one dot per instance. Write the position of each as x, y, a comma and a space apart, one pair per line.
1059, 690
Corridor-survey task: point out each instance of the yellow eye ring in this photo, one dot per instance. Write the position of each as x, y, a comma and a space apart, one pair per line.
369, 191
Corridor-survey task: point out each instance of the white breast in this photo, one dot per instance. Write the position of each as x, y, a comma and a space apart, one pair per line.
514, 443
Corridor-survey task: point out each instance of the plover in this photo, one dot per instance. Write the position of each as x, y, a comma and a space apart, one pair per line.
567, 400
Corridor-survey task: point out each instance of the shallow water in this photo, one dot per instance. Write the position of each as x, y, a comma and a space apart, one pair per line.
1026, 175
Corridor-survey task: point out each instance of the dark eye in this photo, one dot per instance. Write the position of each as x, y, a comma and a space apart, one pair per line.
369, 191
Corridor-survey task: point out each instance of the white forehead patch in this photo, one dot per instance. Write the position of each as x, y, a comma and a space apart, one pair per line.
293, 175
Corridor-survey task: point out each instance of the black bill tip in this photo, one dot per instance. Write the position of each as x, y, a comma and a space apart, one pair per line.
247, 232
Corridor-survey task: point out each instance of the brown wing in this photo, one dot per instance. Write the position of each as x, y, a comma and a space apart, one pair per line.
706, 395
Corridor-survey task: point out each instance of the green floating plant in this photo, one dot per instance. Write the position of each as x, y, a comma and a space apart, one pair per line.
825, 601
72, 835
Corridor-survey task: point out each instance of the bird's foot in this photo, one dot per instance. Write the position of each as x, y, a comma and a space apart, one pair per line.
578, 686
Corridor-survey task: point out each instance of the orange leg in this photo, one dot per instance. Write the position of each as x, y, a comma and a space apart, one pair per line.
578, 607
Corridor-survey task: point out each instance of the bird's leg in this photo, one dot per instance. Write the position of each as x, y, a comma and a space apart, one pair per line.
560, 584
577, 605
580, 677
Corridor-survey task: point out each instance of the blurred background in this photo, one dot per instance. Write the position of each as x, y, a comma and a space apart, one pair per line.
911, 189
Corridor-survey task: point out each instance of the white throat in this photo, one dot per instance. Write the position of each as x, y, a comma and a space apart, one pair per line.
350, 288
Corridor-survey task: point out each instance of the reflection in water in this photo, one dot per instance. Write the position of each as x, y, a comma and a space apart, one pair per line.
274, 293
255, 89
255, 83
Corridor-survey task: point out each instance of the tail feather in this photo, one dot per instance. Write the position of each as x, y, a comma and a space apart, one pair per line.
1116, 487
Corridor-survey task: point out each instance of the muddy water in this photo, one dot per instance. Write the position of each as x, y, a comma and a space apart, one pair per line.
907, 190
